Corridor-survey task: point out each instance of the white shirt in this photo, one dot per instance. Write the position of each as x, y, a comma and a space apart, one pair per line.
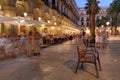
43, 34
3, 41
98, 39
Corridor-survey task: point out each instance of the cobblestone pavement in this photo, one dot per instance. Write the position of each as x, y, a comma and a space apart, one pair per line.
58, 62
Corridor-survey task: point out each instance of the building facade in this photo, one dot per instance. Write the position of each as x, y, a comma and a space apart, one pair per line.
84, 18
63, 15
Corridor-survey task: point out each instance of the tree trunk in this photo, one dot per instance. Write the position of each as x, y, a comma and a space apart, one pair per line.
93, 20
90, 20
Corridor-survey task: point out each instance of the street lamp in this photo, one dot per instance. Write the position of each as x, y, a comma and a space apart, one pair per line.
39, 18
55, 23
107, 23
48, 21
25, 14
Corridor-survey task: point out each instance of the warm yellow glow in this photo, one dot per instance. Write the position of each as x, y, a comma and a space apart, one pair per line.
25, 14
52, 27
48, 21
39, 18
0, 7
55, 23
58, 28
110, 31
107, 30
108, 27
87, 31
22, 21
107, 23
102, 26
96, 27
42, 25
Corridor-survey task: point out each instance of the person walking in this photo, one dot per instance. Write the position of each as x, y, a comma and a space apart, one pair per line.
29, 44
105, 37
37, 36
98, 40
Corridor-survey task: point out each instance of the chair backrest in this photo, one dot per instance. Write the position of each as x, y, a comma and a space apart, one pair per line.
81, 50
90, 46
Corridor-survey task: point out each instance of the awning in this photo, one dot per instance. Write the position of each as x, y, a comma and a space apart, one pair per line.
4, 18
19, 20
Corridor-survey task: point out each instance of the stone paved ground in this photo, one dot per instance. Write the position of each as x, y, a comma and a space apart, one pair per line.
58, 62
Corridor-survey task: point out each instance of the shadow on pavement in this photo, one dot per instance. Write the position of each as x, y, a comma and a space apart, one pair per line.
71, 64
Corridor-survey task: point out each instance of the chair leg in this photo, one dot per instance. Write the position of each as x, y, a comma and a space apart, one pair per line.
82, 65
98, 59
96, 68
77, 67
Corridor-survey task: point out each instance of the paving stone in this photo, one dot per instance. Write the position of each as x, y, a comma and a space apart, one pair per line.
58, 62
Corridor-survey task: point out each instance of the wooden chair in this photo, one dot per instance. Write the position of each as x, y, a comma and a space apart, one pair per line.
87, 57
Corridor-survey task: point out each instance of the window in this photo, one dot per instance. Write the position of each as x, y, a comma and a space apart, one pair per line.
87, 23
82, 19
82, 23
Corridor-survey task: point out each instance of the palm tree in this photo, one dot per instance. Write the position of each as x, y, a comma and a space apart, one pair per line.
114, 11
98, 22
92, 9
102, 21
118, 21
87, 7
